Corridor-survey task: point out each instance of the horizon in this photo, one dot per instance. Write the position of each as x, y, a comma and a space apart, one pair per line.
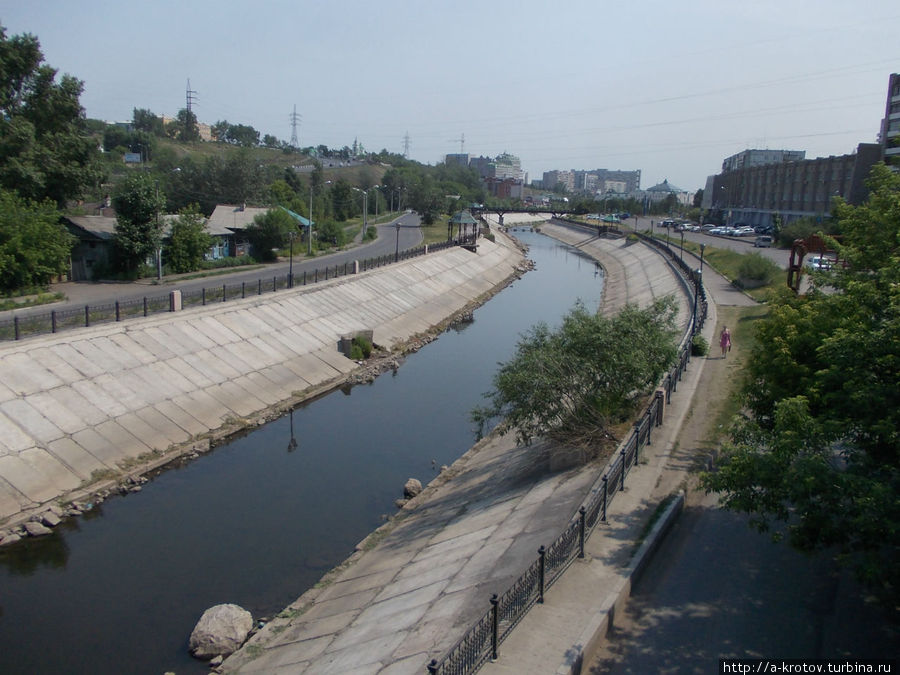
670, 91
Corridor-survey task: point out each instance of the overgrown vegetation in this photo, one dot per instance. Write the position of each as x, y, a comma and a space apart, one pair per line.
820, 450
575, 383
361, 348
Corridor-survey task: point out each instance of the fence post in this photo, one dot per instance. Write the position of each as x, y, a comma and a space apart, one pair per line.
259, 286
637, 441
581, 513
118, 315
224, 292
146, 306
650, 424
316, 276
243, 289
52, 322
203, 296
624, 463
605, 480
304, 277
495, 628
542, 554
274, 284
16, 323
87, 316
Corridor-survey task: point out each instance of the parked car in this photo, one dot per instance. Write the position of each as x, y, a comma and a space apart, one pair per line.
819, 262
744, 231
762, 241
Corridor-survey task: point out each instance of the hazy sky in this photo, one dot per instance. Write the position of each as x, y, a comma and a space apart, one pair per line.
670, 88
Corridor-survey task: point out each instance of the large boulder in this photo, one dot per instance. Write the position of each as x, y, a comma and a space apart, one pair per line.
221, 630
412, 487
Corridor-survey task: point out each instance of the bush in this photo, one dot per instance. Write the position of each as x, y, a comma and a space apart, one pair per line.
699, 346
362, 346
755, 267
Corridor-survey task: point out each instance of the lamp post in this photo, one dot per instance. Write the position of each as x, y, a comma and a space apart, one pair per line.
291, 263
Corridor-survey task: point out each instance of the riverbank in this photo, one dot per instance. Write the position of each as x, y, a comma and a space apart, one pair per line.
92, 411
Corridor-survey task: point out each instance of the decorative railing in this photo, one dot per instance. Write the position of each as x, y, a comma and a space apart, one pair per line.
481, 642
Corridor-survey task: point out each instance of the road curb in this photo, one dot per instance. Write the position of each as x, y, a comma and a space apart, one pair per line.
591, 639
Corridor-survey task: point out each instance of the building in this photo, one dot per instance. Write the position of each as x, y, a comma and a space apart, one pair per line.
890, 125
750, 158
553, 178
790, 189
662, 191
460, 158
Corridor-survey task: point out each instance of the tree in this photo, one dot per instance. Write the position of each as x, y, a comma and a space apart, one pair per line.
342, 201
186, 129
270, 141
138, 203
144, 120
821, 451
574, 383
45, 151
269, 232
34, 245
188, 241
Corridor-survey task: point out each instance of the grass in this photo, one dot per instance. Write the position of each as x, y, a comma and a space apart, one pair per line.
30, 300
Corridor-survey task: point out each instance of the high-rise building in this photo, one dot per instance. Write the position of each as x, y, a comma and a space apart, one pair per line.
890, 125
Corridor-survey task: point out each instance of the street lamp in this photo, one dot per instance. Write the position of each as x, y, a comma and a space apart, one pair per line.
291, 264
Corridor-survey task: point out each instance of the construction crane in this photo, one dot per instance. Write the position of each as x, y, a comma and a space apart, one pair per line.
462, 142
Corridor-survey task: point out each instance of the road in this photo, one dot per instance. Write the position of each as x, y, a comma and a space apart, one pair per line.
79, 294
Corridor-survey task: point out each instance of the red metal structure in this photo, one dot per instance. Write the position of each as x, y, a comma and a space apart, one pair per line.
800, 248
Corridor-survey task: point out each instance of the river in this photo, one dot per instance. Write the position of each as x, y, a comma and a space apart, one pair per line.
260, 519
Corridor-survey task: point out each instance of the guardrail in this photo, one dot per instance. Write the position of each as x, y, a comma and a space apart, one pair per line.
54, 321
482, 641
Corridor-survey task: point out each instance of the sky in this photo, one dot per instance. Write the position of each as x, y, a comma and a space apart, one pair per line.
669, 88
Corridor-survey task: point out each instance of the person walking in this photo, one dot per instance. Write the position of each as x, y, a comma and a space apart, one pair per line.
725, 341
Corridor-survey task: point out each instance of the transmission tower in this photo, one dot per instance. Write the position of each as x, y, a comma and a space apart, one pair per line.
462, 143
406, 145
295, 120
190, 96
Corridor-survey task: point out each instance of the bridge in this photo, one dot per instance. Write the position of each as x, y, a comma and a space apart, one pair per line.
501, 211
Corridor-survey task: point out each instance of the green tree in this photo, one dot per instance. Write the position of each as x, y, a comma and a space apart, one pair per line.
138, 203
146, 121
572, 384
821, 451
34, 245
188, 241
186, 126
342, 200
269, 232
45, 151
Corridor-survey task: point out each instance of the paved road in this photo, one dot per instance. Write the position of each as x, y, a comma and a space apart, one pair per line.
409, 235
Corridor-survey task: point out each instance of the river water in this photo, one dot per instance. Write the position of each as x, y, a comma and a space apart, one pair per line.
259, 520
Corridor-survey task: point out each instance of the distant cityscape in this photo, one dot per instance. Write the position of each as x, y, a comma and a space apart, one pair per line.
755, 186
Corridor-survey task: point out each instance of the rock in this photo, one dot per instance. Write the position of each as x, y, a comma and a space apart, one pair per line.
400, 502
36, 529
411, 488
50, 519
11, 538
221, 630
216, 661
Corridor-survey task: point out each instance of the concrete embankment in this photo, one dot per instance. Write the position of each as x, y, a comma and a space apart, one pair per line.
82, 408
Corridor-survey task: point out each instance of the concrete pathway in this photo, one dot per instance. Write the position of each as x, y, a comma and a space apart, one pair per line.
417, 585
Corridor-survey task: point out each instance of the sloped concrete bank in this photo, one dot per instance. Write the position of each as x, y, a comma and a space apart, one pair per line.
91, 410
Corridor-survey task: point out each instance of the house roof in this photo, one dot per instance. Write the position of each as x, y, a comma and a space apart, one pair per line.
226, 218
96, 227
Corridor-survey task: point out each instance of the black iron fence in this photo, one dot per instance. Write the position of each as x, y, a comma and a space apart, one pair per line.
54, 321
482, 641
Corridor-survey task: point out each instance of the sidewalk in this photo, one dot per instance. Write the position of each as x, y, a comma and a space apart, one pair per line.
418, 584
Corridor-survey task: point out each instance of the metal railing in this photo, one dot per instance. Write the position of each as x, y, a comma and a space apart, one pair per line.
481, 642
57, 320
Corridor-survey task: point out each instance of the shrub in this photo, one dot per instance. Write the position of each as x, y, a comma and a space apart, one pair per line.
699, 346
363, 346
755, 267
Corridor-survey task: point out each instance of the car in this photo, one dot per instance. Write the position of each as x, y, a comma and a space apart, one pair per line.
709, 227
763, 241
744, 231
819, 262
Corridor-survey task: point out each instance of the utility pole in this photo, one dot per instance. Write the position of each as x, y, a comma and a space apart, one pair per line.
295, 119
